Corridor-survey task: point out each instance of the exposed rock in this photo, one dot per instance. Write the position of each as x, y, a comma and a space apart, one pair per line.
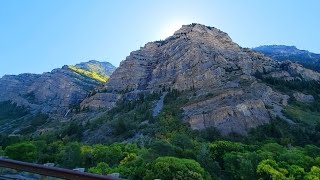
159, 105
303, 97
99, 100
295, 69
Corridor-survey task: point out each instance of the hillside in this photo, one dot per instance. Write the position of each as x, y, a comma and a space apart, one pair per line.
55, 93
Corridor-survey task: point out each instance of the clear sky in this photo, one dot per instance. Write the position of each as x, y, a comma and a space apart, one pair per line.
39, 35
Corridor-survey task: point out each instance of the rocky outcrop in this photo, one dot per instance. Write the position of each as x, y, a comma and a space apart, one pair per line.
295, 69
303, 97
234, 111
99, 100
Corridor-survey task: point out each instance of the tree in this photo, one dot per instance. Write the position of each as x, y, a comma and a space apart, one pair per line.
296, 171
314, 174
110, 154
269, 169
207, 162
176, 168
24, 151
70, 156
181, 140
101, 168
241, 165
295, 156
1, 151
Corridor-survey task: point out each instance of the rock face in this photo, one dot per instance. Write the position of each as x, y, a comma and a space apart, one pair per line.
195, 56
207, 61
53, 93
303, 97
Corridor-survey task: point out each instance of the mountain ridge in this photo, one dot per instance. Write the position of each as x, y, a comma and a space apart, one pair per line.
282, 53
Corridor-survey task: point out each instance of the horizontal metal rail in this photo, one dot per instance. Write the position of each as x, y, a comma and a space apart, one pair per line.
52, 171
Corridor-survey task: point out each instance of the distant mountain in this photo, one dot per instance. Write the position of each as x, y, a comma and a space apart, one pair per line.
282, 53
53, 93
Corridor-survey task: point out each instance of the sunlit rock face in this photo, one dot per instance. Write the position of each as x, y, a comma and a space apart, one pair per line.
195, 55
207, 61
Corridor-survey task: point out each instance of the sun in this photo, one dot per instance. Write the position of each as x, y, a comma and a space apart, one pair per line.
170, 28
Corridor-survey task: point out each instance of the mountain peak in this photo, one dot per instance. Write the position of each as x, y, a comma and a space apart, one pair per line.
198, 35
103, 68
196, 28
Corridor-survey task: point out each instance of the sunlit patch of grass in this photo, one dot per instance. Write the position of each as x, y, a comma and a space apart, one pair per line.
90, 74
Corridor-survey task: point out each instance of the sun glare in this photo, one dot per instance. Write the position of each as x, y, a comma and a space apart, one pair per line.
170, 28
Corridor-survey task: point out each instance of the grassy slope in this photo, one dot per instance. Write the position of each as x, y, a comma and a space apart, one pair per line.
90, 74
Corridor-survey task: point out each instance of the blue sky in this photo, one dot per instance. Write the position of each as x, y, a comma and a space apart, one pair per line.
39, 35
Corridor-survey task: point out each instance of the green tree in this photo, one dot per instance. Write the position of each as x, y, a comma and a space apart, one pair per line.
70, 156
24, 151
181, 140
2, 153
296, 171
175, 168
269, 169
207, 162
314, 174
101, 168
112, 154
295, 156
241, 165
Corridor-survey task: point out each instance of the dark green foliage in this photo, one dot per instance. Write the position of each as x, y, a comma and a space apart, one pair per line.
10, 111
38, 119
70, 156
24, 151
307, 87
73, 130
175, 168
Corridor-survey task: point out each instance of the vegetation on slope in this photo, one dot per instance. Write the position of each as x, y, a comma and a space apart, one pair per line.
90, 74
165, 147
10, 111
308, 113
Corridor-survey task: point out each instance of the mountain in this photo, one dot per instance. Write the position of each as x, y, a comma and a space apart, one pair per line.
193, 106
224, 84
282, 53
54, 93
102, 68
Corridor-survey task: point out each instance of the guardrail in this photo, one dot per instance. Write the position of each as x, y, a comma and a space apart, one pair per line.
52, 171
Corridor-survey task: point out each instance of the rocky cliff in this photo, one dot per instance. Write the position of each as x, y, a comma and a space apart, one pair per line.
206, 61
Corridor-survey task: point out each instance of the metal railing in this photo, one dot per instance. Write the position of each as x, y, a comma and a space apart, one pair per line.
52, 171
